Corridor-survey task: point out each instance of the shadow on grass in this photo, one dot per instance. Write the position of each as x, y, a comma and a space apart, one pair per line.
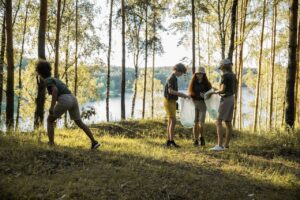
259, 145
82, 174
269, 147
142, 129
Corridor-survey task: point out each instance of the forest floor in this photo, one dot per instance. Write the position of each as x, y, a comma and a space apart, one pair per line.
133, 163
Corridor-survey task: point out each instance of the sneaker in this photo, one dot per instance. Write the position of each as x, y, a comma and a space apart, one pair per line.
51, 144
226, 147
168, 143
217, 148
196, 143
95, 145
174, 144
202, 141
171, 143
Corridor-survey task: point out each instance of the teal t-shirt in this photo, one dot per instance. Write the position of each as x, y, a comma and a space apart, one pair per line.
61, 87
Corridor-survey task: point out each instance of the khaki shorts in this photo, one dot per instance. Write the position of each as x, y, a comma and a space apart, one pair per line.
200, 111
67, 102
170, 107
225, 112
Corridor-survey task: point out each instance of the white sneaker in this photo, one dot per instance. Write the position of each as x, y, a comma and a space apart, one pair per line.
217, 148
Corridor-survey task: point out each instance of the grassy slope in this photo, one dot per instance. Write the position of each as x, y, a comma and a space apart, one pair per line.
134, 164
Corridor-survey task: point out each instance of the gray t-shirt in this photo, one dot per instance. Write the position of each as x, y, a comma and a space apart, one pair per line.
229, 80
61, 87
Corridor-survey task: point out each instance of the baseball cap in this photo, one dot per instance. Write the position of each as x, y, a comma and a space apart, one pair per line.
200, 70
225, 62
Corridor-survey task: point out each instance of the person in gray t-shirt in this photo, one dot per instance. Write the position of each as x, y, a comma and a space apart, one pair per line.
225, 113
62, 101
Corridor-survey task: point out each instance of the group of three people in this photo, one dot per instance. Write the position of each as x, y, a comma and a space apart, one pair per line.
198, 86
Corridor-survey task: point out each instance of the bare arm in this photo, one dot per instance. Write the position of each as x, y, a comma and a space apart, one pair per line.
173, 92
221, 90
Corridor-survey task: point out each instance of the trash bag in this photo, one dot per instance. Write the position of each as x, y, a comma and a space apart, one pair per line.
187, 112
212, 103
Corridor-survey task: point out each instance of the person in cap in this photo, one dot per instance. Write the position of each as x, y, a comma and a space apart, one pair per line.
198, 86
228, 87
171, 95
62, 101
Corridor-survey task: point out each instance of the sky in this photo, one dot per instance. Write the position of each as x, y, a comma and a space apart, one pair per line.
173, 53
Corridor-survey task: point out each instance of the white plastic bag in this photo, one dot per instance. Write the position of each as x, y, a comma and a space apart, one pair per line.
187, 112
212, 103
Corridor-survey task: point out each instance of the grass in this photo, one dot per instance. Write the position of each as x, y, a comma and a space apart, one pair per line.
133, 163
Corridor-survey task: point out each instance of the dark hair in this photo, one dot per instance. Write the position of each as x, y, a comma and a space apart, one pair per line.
205, 82
227, 67
43, 68
180, 68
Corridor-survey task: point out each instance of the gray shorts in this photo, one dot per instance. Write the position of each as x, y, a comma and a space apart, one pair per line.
200, 111
225, 112
67, 102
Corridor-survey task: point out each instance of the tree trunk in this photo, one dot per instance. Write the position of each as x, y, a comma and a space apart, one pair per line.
40, 100
123, 64
2, 54
10, 67
136, 61
108, 61
208, 50
66, 67
241, 64
259, 68
274, 24
153, 65
193, 35
233, 21
291, 70
76, 48
135, 87
297, 108
58, 23
283, 109
276, 101
222, 29
135, 90
20, 66
146, 59
236, 66
260, 108
199, 47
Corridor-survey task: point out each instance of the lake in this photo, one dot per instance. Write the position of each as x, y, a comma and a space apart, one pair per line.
115, 110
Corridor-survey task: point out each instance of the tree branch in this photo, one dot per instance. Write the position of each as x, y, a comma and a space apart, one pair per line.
18, 8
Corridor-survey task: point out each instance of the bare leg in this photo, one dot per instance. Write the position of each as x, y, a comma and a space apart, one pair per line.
86, 129
201, 125
219, 132
168, 127
228, 133
50, 129
172, 127
196, 131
